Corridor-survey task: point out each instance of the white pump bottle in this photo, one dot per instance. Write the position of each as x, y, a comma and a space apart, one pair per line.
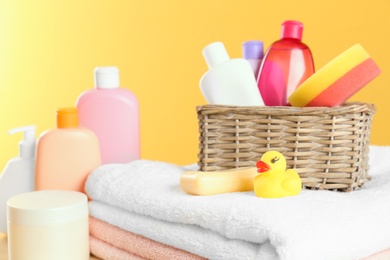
18, 174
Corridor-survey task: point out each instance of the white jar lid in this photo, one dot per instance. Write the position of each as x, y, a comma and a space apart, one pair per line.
47, 207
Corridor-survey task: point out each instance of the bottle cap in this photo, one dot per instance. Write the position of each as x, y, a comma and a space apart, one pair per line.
27, 145
292, 29
67, 118
253, 50
106, 77
215, 54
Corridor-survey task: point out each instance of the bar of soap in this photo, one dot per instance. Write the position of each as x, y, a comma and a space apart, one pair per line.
218, 182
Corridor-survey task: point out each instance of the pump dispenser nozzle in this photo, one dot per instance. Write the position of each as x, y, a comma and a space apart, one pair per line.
27, 145
18, 174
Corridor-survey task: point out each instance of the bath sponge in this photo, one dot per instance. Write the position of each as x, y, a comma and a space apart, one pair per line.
337, 81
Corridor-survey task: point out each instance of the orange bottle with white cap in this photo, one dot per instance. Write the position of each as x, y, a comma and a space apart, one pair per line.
66, 155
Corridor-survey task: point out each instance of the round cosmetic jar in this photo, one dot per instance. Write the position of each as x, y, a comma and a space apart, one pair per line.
48, 224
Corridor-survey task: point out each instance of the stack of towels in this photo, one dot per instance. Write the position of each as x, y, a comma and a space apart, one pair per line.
138, 211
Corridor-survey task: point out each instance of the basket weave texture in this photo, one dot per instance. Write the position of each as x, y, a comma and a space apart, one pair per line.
328, 147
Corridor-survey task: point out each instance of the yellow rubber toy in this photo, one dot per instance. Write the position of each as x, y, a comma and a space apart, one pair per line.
274, 181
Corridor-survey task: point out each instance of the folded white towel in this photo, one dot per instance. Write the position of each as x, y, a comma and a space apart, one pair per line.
144, 197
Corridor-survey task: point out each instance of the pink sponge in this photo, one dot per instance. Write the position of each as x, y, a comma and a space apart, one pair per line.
338, 80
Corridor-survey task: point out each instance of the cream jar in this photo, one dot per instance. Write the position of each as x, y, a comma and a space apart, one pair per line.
47, 225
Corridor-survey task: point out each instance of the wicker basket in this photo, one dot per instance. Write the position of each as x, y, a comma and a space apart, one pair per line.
328, 147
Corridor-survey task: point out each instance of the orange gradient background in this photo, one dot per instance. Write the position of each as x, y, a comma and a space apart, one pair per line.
49, 49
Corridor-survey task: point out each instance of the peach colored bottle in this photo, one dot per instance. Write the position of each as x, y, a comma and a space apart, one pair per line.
112, 113
65, 156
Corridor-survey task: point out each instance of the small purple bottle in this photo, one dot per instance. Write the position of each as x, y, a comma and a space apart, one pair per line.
253, 52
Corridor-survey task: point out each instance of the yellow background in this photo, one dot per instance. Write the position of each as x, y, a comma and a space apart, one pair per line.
49, 49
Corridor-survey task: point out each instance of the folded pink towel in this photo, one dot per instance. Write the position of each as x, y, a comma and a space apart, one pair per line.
106, 251
136, 244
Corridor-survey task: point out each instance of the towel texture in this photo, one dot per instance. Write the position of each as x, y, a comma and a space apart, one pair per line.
136, 244
382, 255
144, 197
106, 251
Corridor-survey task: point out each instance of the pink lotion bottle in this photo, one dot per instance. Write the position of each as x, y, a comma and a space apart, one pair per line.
286, 64
112, 113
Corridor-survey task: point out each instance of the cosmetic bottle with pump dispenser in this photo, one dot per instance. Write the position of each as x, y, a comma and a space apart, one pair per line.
18, 174
112, 113
253, 52
66, 155
228, 81
286, 64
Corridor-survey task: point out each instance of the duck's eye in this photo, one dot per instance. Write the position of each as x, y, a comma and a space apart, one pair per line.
274, 160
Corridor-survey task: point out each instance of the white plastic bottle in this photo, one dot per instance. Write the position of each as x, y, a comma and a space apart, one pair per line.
18, 174
228, 81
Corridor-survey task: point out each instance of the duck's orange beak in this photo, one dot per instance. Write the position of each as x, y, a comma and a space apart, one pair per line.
262, 166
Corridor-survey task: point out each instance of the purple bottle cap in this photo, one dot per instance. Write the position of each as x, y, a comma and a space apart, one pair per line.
253, 50
292, 29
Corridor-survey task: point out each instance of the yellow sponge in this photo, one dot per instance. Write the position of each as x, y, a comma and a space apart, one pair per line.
338, 80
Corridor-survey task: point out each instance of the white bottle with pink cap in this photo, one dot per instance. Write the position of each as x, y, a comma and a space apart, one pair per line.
112, 113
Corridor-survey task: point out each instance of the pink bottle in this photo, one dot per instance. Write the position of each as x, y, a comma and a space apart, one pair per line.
112, 113
286, 64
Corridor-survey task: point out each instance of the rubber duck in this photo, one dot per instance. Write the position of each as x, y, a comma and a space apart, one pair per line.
274, 181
